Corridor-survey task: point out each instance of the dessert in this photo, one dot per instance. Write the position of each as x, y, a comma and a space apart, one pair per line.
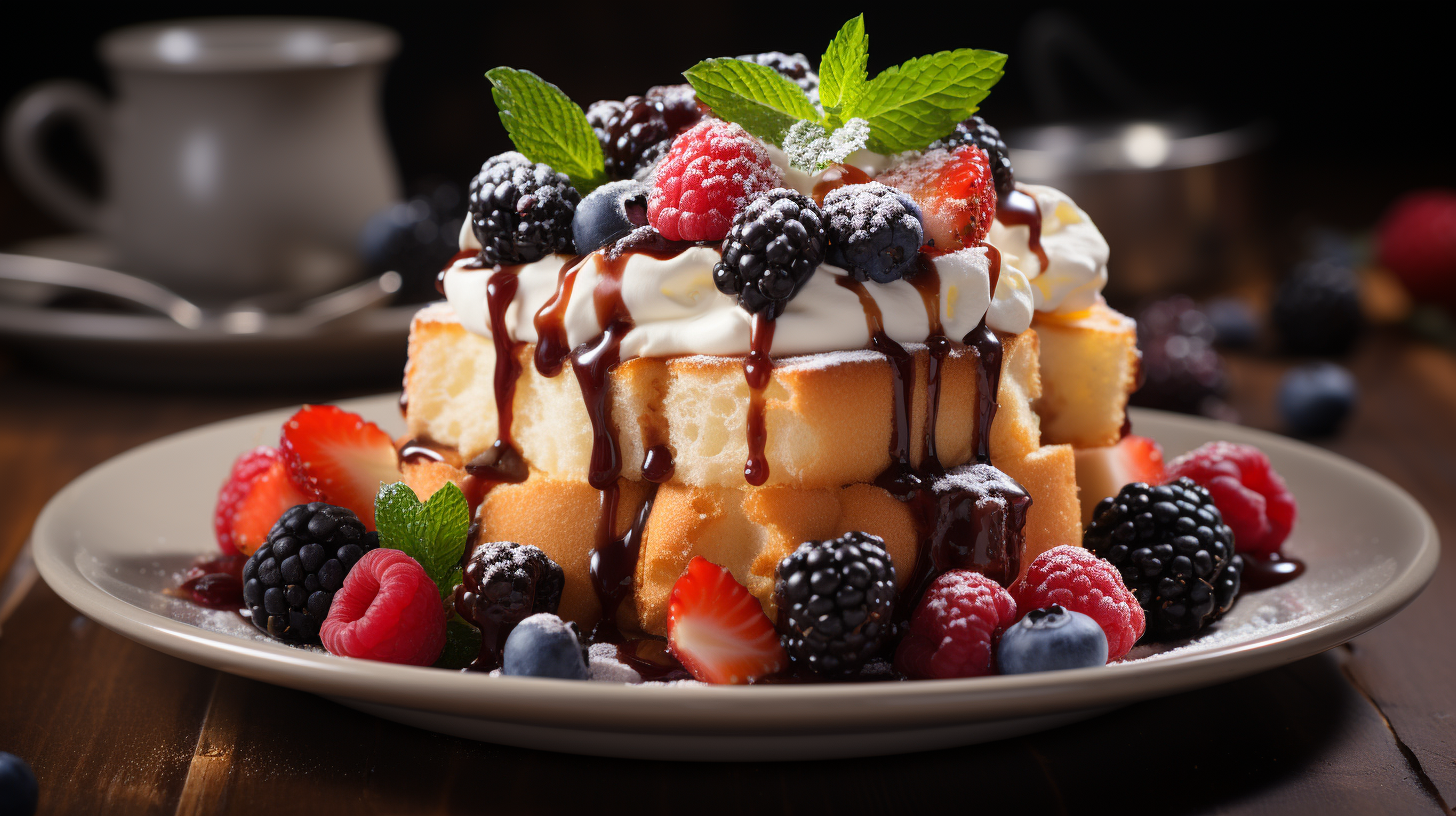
774, 375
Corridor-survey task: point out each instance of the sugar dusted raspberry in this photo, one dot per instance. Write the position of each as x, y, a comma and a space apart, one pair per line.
954, 630
1253, 499
705, 179
1076, 579
387, 610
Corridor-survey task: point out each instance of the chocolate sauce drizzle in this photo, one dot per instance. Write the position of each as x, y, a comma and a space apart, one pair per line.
757, 370
900, 478
1021, 210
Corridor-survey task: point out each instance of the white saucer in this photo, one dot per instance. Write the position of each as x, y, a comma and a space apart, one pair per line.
111, 541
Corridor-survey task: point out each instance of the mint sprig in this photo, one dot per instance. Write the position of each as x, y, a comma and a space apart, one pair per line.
843, 71
811, 147
547, 127
913, 104
432, 533
763, 101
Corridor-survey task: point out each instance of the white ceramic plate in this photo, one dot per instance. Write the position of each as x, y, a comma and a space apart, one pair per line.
111, 541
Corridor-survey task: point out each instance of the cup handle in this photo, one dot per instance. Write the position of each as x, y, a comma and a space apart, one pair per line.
25, 126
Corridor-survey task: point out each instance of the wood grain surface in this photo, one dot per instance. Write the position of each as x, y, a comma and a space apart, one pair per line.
112, 727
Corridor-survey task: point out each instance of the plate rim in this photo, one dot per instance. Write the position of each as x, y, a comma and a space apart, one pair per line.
722, 709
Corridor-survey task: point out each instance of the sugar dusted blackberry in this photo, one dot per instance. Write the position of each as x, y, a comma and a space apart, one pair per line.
793, 66
976, 131
504, 583
774, 245
290, 581
637, 132
520, 211
875, 232
835, 601
1173, 551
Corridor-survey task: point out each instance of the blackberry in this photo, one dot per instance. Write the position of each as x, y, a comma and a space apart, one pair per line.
776, 242
290, 581
793, 66
505, 583
636, 133
519, 211
975, 131
835, 601
1317, 310
1181, 371
1173, 551
875, 232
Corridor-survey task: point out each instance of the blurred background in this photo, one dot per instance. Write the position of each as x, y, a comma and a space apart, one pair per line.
1244, 159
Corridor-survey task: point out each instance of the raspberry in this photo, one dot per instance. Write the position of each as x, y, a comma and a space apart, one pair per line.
976, 131
1253, 499
956, 193
776, 242
1079, 581
1417, 240
387, 610
875, 232
711, 170
954, 630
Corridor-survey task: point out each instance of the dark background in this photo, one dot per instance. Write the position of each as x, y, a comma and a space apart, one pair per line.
1357, 100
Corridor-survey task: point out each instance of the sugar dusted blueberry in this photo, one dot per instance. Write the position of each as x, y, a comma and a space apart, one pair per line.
544, 645
1051, 639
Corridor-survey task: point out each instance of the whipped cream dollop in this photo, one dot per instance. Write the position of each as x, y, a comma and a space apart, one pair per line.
676, 310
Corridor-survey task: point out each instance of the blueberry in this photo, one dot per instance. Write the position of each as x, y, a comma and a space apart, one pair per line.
609, 212
1234, 324
1051, 639
543, 645
1315, 400
18, 789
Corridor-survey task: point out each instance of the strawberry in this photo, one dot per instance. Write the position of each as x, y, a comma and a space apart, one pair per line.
717, 630
256, 493
956, 193
338, 458
1103, 471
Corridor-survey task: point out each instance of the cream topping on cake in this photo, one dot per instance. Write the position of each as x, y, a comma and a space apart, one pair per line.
676, 309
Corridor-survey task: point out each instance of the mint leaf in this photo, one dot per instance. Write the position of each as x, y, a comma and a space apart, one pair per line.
842, 69
547, 127
462, 644
432, 533
912, 105
811, 148
760, 99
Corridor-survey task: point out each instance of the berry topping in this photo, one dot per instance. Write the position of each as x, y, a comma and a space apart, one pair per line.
775, 244
1317, 309
835, 599
711, 170
505, 583
717, 630
636, 133
1418, 243
954, 629
1171, 547
521, 212
289, 583
875, 232
1251, 497
1316, 399
608, 213
544, 645
793, 66
955, 191
388, 610
975, 131
1181, 371
1077, 580
256, 493
1101, 472
1051, 639
339, 458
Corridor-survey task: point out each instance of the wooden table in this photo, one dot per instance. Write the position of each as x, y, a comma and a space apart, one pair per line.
113, 727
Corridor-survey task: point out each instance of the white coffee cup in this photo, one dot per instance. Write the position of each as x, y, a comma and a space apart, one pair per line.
241, 155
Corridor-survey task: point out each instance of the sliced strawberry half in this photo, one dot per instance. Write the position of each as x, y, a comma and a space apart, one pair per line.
1102, 472
717, 630
339, 458
256, 493
956, 193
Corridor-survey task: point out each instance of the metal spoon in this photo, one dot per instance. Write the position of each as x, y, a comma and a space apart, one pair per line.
241, 318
